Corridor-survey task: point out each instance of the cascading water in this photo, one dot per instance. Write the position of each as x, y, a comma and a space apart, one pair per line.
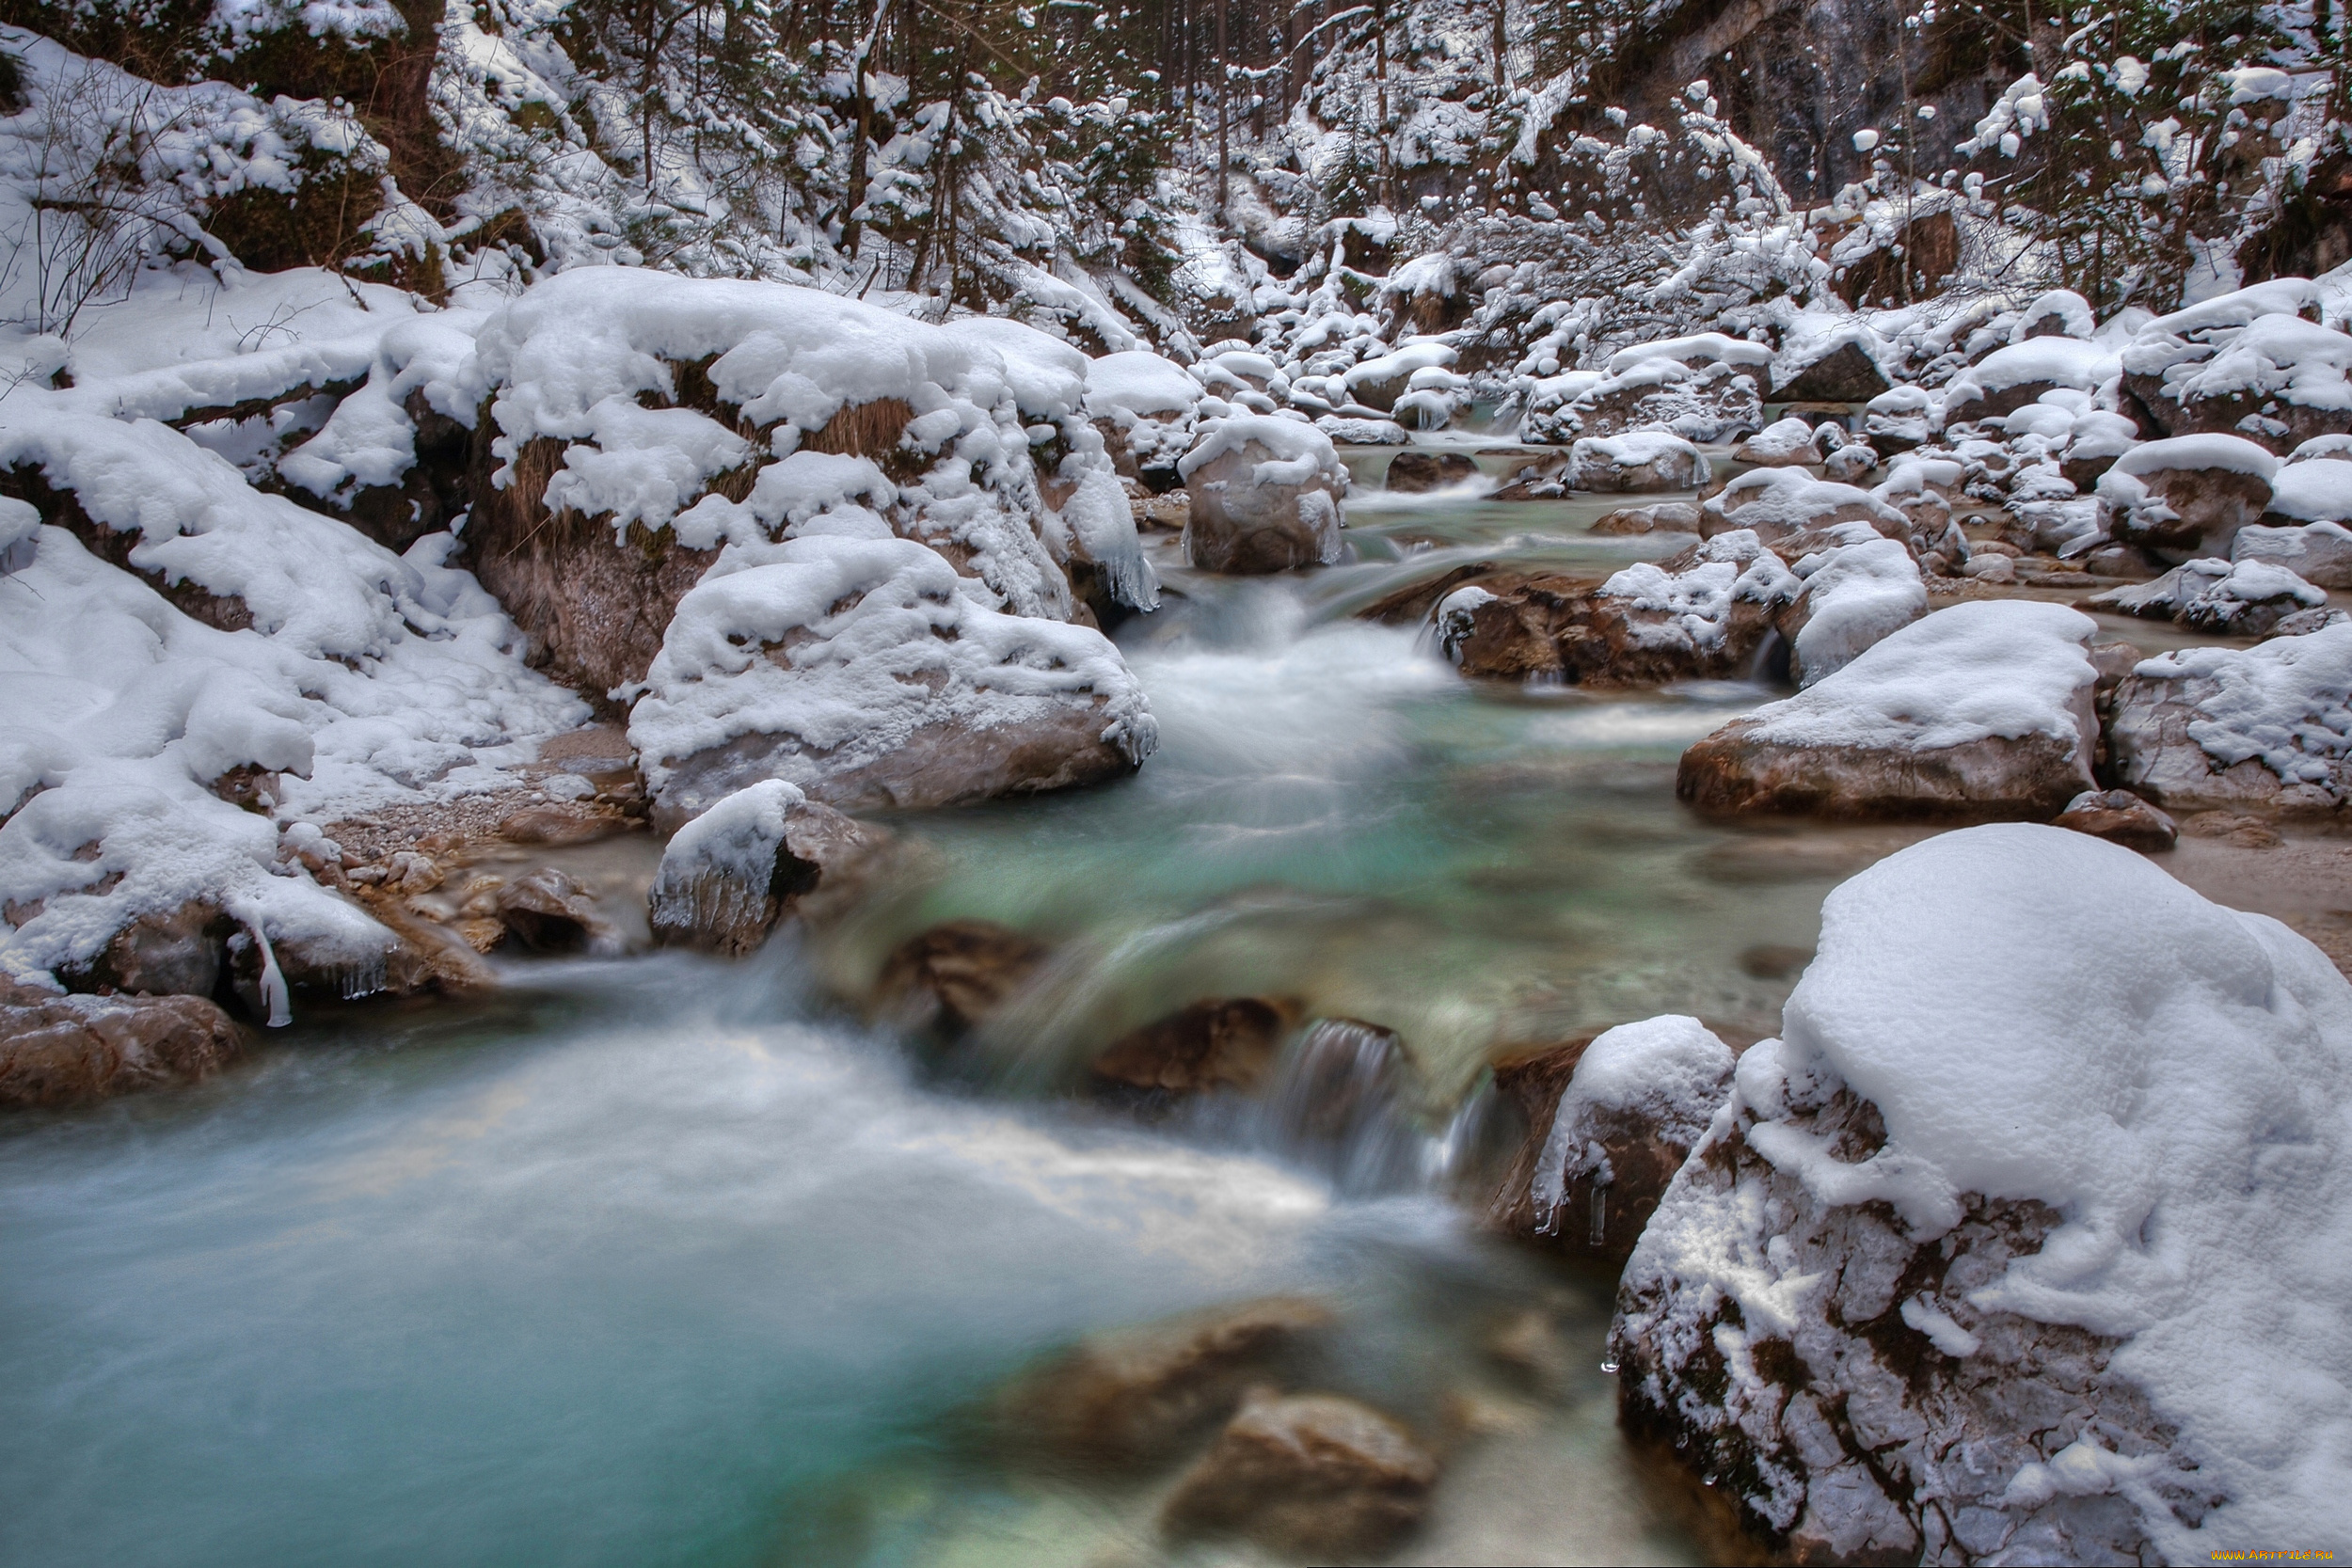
662, 1259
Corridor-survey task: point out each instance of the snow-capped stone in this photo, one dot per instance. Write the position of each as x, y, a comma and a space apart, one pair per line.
1789, 443
1855, 461
863, 668
2319, 553
2246, 362
1265, 497
2023, 1245
2241, 599
729, 875
1838, 368
1900, 418
1701, 388
1638, 460
2266, 728
2008, 378
2119, 816
1858, 590
1380, 383
1607, 1134
1775, 503
2189, 494
1145, 407
1979, 711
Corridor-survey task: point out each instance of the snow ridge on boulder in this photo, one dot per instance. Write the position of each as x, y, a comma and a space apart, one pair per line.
2050, 1270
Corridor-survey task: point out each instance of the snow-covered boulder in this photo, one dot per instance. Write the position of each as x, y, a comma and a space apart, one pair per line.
1638, 460
2189, 494
2266, 728
1836, 367
1900, 418
1860, 588
1976, 1270
2245, 362
1380, 383
733, 872
2319, 553
595, 512
1265, 497
1855, 461
1703, 613
1789, 443
1775, 503
2314, 484
865, 671
1607, 1134
2008, 378
1979, 711
2241, 599
2119, 816
1702, 387
1144, 407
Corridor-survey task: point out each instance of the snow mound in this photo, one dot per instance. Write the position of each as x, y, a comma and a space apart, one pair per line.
1693, 605
2288, 701
2177, 1087
1857, 593
1980, 670
1669, 1072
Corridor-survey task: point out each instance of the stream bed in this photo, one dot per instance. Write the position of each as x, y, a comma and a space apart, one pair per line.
655, 1260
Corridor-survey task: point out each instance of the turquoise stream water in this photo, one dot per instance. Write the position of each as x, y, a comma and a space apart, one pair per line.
657, 1260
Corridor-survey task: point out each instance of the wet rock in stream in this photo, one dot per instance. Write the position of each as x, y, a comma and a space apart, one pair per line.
731, 874
1226, 1043
63, 1050
1134, 1395
949, 979
1312, 1474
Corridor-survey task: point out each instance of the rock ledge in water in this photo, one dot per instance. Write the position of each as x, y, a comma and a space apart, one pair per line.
1311, 1474
61, 1050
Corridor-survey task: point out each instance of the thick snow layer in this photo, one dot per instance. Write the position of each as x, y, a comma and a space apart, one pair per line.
2287, 700
2064, 305
2060, 361
1670, 1072
568, 359
1138, 382
2173, 1077
1301, 452
1790, 498
1985, 668
2233, 453
2313, 492
1701, 348
120, 712
1856, 593
850, 640
1694, 604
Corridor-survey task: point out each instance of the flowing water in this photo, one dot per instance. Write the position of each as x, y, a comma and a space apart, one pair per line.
655, 1260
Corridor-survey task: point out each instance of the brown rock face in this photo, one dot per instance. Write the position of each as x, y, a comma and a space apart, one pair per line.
1541, 624
2277, 423
1133, 1395
61, 1050
2209, 506
594, 608
178, 954
1734, 773
1241, 527
953, 976
1311, 1474
1229, 1043
1662, 517
2122, 817
1415, 473
562, 822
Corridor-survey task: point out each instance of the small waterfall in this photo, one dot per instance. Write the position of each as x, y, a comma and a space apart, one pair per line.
1334, 1104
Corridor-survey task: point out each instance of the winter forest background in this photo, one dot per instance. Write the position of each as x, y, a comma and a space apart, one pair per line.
1543, 179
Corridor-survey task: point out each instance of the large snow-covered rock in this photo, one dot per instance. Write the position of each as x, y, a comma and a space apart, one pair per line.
2241, 599
865, 671
2033, 1255
2189, 494
593, 512
1702, 387
1776, 502
1145, 407
2319, 553
1640, 460
2267, 728
1859, 588
1787, 444
2245, 362
1979, 711
1265, 496
2009, 378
